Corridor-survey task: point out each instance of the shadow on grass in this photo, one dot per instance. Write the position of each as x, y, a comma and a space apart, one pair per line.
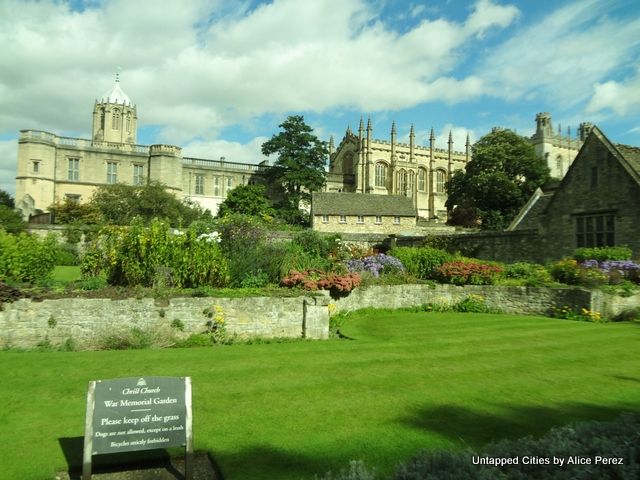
73, 447
267, 462
475, 428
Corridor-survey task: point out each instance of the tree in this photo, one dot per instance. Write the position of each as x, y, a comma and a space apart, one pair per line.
503, 173
300, 167
6, 199
10, 220
119, 204
247, 200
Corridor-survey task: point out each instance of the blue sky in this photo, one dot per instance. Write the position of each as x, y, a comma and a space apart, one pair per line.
217, 77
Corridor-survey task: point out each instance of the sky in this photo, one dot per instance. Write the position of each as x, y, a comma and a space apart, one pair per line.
217, 77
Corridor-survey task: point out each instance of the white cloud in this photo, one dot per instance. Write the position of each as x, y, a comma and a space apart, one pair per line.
237, 152
8, 159
195, 67
621, 97
560, 58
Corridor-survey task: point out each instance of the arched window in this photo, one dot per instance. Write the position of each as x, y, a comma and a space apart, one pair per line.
402, 182
560, 165
115, 119
381, 175
422, 180
441, 179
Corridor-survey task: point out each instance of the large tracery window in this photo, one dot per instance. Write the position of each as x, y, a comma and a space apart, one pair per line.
441, 180
422, 180
381, 175
402, 182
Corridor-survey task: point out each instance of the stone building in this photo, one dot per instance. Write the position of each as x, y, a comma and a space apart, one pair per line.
52, 168
597, 203
557, 149
361, 213
362, 164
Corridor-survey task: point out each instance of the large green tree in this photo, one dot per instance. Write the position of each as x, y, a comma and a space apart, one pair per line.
300, 166
6, 199
503, 173
247, 200
119, 204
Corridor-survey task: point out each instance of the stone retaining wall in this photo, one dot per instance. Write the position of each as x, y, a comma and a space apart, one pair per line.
26, 323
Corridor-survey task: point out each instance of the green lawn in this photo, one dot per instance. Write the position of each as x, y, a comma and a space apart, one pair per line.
407, 381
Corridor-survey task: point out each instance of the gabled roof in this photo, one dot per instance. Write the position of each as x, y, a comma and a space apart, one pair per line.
361, 204
540, 202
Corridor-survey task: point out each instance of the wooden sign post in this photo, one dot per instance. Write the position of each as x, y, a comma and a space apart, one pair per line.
142, 413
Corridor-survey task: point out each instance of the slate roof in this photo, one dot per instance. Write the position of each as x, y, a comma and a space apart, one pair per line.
361, 204
631, 155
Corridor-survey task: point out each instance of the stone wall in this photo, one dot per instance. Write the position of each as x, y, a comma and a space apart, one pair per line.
26, 323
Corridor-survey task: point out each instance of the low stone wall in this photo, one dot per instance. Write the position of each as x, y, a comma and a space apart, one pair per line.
26, 323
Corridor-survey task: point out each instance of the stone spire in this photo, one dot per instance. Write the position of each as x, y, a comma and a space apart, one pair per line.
468, 148
412, 143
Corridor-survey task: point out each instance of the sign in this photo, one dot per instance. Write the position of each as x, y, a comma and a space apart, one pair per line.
141, 413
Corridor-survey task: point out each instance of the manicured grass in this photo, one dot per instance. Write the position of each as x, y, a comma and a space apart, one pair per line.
407, 381
65, 274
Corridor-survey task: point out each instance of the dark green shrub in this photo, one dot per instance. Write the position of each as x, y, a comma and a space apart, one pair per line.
531, 274
602, 253
566, 271
421, 262
67, 254
90, 283
314, 243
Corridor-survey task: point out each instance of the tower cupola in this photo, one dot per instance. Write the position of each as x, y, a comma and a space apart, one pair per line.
115, 117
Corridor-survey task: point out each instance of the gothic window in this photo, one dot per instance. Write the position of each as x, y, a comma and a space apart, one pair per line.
112, 172
560, 165
422, 180
441, 179
402, 182
138, 174
595, 230
199, 185
381, 175
74, 169
115, 119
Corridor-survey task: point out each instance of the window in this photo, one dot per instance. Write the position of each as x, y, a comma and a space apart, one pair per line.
112, 172
216, 186
396, 220
422, 180
381, 175
74, 169
378, 219
36, 167
72, 198
594, 177
229, 183
128, 122
115, 119
325, 218
402, 182
343, 219
138, 174
441, 178
199, 185
560, 165
360, 219
595, 230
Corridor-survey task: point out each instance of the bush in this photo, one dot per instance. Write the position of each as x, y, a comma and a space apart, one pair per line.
156, 255
531, 274
602, 253
566, 271
67, 255
318, 280
422, 262
25, 258
315, 244
468, 272
376, 265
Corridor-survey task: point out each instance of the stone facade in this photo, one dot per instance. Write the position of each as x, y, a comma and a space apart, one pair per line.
52, 168
595, 204
362, 164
